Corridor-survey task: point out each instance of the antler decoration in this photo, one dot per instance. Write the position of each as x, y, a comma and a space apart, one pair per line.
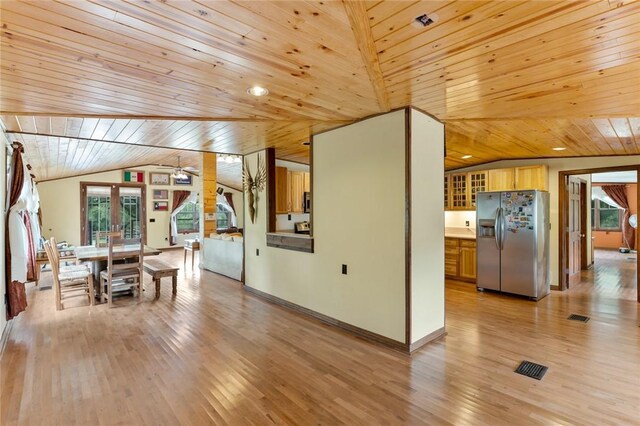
254, 184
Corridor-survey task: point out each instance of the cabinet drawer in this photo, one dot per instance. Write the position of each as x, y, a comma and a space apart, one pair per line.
468, 243
450, 242
451, 269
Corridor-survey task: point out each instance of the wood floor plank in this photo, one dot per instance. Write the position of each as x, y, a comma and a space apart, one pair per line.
215, 354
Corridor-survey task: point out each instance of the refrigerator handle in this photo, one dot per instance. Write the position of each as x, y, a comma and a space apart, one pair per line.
502, 229
497, 228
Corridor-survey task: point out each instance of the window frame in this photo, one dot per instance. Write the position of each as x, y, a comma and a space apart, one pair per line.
195, 219
595, 214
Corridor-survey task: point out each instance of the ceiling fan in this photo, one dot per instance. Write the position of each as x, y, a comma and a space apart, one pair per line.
180, 172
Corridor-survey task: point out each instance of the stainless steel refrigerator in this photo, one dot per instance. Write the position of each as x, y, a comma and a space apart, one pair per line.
512, 237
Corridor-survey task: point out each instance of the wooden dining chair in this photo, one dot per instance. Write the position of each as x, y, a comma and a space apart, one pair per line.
65, 268
124, 268
71, 283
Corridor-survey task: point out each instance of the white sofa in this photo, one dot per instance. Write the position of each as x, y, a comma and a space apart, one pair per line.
223, 256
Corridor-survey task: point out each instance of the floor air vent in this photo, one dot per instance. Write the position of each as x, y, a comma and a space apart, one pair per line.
576, 317
531, 369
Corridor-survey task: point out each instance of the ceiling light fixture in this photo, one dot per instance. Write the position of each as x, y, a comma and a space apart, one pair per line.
257, 91
425, 20
306, 143
559, 148
466, 157
229, 158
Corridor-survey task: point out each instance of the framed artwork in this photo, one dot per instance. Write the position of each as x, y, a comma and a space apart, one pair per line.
183, 181
160, 194
156, 178
160, 206
135, 176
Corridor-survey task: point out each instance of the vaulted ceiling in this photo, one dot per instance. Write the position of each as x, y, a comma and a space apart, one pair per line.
511, 79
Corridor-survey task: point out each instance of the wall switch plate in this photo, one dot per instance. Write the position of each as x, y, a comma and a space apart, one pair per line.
466, 223
257, 252
344, 269
289, 217
152, 220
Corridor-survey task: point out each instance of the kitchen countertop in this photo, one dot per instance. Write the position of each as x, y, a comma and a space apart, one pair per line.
464, 233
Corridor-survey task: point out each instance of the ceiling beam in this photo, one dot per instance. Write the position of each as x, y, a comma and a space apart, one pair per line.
359, 20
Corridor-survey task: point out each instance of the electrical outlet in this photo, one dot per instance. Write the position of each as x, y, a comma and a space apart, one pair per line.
257, 252
289, 217
152, 220
466, 223
344, 269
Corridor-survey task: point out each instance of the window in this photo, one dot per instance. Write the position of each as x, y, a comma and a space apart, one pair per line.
188, 219
224, 216
605, 217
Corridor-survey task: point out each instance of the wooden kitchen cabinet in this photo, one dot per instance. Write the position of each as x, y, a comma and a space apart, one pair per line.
532, 177
282, 190
447, 178
501, 180
296, 187
460, 259
467, 261
307, 182
458, 195
451, 256
476, 182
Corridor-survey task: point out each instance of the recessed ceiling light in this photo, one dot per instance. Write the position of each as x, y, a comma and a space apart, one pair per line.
466, 157
559, 148
257, 91
425, 20
306, 143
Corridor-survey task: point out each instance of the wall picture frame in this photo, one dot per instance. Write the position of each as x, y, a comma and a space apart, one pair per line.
133, 176
160, 194
160, 206
158, 178
183, 181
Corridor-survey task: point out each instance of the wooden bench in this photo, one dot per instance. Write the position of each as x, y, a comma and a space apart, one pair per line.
158, 270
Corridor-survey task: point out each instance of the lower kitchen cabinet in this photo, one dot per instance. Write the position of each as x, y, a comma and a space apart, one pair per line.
460, 259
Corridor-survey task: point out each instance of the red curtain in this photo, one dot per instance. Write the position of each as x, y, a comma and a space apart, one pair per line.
16, 295
229, 197
618, 193
179, 197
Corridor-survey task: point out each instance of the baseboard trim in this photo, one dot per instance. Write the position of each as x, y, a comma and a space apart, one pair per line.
351, 329
435, 335
5, 336
555, 287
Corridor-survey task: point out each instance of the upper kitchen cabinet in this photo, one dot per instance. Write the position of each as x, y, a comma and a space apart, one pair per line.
459, 195
501, 180
477, 182
282, 190
296, 185
519, 178
460, 189
532, 177
307, 182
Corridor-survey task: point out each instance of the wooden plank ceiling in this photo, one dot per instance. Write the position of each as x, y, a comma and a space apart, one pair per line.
510, 79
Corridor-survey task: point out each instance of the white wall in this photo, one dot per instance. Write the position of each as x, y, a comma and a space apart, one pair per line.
427, 226
457, 219
556, 165
60, 204
357, 170
3, 203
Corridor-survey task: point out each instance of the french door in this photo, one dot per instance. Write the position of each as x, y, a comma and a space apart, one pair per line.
112, 207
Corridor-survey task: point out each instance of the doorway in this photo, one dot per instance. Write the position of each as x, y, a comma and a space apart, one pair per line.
597, 242
112, 207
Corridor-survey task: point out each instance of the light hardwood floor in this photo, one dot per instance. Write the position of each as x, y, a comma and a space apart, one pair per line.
217, 355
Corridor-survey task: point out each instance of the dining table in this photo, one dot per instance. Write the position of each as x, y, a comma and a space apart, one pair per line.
99, 256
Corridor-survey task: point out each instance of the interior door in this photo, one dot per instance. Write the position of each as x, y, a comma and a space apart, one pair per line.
574, 231
584, 229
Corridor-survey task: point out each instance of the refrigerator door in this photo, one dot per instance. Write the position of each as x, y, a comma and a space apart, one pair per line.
487, 241
519, 252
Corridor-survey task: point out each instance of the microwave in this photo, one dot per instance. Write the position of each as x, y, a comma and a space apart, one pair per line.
307, 202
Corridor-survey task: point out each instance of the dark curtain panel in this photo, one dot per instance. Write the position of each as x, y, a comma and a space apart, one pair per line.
16, 295
618, 193
179, 197
228, 196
